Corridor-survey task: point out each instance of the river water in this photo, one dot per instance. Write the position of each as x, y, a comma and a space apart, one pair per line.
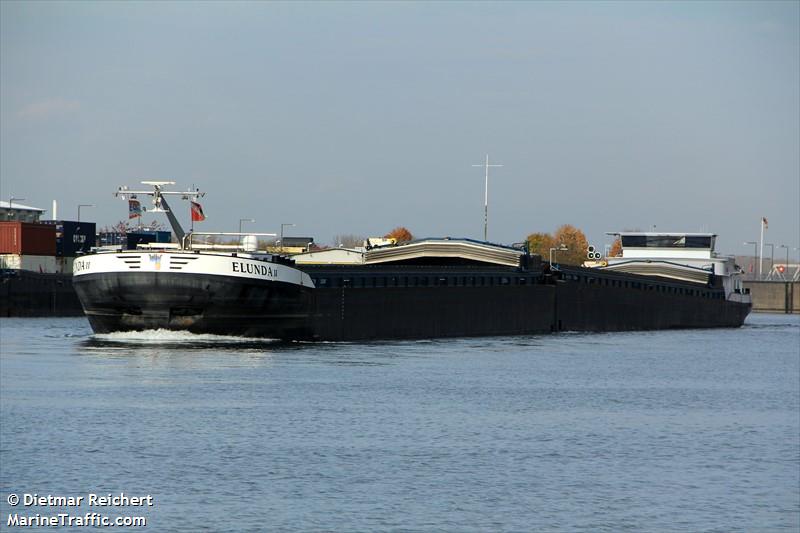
695, 430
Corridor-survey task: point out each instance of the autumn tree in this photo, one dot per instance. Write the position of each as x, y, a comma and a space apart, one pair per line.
399, 234
540, 243
616, 248
576, 243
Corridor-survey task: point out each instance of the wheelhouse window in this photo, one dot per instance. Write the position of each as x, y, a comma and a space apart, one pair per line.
668, 241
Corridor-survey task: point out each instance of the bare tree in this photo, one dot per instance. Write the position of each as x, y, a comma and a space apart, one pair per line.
348, 240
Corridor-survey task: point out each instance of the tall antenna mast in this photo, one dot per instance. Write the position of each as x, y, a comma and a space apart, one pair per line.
486, 165
160, 204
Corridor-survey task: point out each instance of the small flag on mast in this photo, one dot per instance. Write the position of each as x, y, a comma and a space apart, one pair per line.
764, 221
134, 208
197, 212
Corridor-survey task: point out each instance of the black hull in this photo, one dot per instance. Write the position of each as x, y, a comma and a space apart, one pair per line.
350, 309
197, 303
371, 314
582, 308
431, 312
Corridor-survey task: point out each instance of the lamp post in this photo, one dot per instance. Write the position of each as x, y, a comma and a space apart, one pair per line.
11, 201
771, 256
796, 276
244, 220
283, 226
755, 255
241, 238
79, 209
786, 265
561, 248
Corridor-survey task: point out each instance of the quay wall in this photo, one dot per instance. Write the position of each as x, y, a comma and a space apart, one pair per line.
774, 296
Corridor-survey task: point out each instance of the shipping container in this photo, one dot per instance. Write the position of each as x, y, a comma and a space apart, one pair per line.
27, 238
146, 237
135, 238
110, 238
73, 238
42, 264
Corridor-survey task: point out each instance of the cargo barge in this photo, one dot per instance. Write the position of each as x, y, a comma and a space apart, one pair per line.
423, 289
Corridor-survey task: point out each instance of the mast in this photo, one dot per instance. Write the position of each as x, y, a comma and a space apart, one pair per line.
160, 204
761, 244
486, 165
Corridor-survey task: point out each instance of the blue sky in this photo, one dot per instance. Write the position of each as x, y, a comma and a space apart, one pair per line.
359, 117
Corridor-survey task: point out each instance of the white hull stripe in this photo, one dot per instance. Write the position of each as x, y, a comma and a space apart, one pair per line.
183, 263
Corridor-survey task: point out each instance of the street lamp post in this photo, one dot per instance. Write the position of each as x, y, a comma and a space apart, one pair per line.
796, 276
11, 201
244, 220
283, 226
771, 256
79, 209
561, 248
241, 238
785, 265
755, 256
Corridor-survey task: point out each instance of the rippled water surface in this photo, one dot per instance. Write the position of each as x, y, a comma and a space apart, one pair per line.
659, 431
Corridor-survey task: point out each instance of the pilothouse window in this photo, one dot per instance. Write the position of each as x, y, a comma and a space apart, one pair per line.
667, 241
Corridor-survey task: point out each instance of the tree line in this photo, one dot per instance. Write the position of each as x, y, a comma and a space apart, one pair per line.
539, 243
570, 237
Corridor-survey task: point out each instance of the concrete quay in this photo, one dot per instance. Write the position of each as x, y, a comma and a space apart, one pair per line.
774, 296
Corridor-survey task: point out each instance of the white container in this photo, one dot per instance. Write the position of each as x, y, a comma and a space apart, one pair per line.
43, 264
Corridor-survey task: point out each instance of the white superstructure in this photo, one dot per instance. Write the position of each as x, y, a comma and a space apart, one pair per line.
681, 256
241, 265
186, 257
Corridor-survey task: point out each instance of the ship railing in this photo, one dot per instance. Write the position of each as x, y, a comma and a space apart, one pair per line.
158, 246
248, 242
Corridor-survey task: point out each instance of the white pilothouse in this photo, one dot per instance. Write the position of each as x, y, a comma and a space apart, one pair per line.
680, 256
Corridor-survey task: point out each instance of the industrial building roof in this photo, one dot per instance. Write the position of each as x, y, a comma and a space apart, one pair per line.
7, 204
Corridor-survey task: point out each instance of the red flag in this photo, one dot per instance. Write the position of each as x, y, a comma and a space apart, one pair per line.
197, 212
134, 208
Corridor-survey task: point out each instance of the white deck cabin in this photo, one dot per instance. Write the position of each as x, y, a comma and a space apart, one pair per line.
683, 256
